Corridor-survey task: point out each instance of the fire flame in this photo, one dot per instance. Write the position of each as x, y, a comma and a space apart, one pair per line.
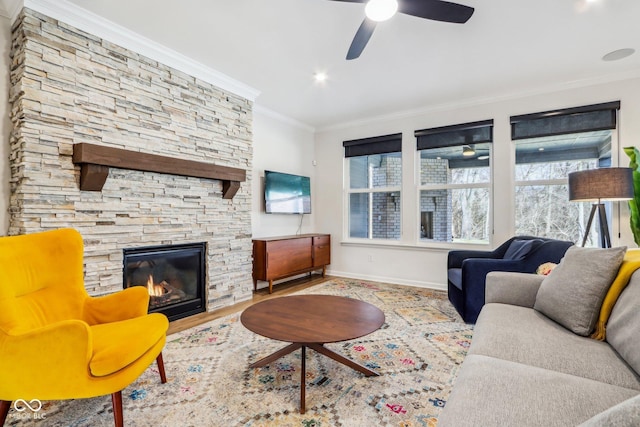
154, 290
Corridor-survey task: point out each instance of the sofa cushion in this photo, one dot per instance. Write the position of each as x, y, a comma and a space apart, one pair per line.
625, 414
492, 392
455, 277
624, 323
519, 248
573, 293
523, 335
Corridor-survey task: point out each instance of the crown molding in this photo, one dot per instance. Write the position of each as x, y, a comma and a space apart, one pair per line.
260, 109
64, 11
473, 102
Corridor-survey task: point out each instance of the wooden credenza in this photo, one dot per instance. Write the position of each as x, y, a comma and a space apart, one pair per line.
284, 256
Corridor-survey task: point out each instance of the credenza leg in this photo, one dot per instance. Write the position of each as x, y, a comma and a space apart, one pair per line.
270, 286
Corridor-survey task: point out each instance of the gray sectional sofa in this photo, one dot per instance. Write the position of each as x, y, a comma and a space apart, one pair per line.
524, 369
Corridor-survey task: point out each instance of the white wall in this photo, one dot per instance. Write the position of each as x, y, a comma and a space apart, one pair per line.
280, 145
5, 123
409, 262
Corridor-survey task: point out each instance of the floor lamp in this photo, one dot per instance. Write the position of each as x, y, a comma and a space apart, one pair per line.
597, 185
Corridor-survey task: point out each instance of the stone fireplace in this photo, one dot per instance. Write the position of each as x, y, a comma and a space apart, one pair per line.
71, 87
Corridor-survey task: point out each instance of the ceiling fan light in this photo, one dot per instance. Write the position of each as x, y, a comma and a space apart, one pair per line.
381, 10
467, 151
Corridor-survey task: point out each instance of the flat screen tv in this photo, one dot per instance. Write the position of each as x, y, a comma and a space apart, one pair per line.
286, 193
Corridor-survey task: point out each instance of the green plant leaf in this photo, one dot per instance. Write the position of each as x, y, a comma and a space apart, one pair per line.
634, 204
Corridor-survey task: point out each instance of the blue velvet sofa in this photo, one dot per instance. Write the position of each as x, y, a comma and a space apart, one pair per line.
467, 269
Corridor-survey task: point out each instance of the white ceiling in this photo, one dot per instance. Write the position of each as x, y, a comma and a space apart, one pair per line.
507, 47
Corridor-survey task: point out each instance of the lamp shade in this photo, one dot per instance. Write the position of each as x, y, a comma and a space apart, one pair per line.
601, 184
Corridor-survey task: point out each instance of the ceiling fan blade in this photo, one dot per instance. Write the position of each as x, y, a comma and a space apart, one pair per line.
361, 38
437, 10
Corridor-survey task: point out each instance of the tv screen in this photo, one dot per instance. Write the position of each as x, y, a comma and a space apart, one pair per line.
286, 193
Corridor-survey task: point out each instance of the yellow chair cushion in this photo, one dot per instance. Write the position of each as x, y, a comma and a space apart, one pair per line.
140, 334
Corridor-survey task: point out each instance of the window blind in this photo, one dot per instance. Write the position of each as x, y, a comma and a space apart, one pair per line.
455, 135
565, 121
375, 145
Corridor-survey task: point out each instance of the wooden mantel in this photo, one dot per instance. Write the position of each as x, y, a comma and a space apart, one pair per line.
95, 161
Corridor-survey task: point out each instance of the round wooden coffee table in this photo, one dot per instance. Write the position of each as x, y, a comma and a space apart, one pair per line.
312, 321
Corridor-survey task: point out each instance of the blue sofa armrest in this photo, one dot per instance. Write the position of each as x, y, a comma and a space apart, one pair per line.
455, 258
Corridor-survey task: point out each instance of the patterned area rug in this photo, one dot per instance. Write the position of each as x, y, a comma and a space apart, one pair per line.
417, 351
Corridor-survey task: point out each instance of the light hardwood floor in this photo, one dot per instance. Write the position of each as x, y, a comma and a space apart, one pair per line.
279, 290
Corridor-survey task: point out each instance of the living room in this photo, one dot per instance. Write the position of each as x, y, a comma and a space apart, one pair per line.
130, 211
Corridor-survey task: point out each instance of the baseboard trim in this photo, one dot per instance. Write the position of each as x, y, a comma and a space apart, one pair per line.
391, 280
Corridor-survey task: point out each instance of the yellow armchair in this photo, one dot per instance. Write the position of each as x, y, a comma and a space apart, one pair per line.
57, 342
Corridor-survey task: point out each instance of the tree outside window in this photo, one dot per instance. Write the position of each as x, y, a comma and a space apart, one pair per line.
455, 195
542, 205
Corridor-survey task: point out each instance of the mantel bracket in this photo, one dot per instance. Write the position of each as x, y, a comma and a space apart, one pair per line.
95, 161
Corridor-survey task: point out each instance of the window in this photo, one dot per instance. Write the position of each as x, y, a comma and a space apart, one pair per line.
375, 180
455, 182
549, 146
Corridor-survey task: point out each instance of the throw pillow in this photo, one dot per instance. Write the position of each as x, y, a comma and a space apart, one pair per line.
573, 294
630, 264
546, 268
519, 248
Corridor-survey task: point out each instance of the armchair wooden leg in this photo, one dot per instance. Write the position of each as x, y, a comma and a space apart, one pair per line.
160, 362
116, 401
5, 405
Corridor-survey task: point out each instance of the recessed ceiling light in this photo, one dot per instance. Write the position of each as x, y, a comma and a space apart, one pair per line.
320, 77
618, 54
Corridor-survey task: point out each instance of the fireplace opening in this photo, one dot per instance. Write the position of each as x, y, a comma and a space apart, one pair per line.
174, 276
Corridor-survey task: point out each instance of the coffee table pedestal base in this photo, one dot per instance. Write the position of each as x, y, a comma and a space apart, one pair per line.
320, 348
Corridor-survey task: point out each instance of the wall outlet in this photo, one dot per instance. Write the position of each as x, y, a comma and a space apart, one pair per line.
370, 258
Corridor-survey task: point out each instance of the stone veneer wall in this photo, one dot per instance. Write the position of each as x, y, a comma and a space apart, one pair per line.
69, 86
386, 206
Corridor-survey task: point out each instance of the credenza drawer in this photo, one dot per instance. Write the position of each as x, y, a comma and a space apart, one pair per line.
321, 240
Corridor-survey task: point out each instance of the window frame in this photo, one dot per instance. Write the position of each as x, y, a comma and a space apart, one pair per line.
377, 146
457, 130
609, 115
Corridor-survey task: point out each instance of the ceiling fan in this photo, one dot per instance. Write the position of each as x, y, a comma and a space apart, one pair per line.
381, 10
473, 152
